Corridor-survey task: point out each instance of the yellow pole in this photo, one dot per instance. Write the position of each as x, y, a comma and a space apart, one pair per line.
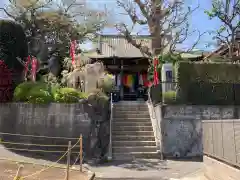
19, 172
68, 160
81, 152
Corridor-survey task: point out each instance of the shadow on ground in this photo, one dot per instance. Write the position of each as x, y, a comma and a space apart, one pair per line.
187, 159
145, 169
147, 164
139, 165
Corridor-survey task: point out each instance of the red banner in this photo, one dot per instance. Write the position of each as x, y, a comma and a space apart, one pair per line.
155, 73
34, 68
72, 51
26, 66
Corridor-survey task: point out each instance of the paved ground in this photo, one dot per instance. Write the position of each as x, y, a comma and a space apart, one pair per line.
148, 170
139, 169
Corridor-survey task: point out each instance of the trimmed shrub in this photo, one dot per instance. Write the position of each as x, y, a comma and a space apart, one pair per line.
68, 95
170, 97
42, 93
33, 92
22, 90
39, 96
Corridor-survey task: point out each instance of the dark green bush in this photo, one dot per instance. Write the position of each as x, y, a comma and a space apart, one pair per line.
13, 43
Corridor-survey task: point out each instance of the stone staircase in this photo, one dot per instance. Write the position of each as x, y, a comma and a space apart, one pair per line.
132, 132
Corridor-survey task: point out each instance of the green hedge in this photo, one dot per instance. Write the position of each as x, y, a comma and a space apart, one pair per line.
208, 83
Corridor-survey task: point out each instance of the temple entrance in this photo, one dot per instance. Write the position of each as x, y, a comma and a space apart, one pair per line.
132, 85
130, 74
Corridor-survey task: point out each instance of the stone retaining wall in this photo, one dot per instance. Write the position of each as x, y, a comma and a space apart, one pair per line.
181, 127
55, 120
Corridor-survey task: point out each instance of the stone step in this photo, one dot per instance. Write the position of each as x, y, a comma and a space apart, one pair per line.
133, 138
131, 123
130, 115
135, 155
129, 108
132, 128
142, 105
133, 133
131, 120
130, 103
119, 149
133, 143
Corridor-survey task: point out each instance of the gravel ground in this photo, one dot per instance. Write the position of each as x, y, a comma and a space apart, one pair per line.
9, 164
8, 171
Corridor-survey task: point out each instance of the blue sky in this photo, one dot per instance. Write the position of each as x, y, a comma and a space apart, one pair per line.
198, 20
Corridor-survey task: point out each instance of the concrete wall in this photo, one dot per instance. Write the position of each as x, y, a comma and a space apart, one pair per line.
179, 127
54, 120
181, 131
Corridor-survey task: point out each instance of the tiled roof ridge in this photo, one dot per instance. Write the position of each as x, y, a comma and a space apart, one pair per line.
122, 36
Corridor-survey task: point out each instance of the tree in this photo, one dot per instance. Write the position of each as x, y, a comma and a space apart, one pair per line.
167, 22
228, 12
50, 25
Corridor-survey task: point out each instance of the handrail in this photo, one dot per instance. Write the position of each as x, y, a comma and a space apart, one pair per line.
110, 128
155, 117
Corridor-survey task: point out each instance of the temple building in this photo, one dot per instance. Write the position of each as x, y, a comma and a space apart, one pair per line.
126, 63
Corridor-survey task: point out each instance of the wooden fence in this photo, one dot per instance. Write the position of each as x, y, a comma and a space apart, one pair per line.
221, 139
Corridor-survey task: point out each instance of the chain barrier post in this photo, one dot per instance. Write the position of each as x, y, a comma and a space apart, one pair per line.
81, 152
68, 160
18, 175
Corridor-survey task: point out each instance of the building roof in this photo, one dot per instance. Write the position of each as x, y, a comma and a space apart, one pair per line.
190, 55
224, 49
117, 46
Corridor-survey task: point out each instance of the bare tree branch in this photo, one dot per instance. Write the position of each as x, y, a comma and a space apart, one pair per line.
167, 24
144, 49
7, 13
228, 13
